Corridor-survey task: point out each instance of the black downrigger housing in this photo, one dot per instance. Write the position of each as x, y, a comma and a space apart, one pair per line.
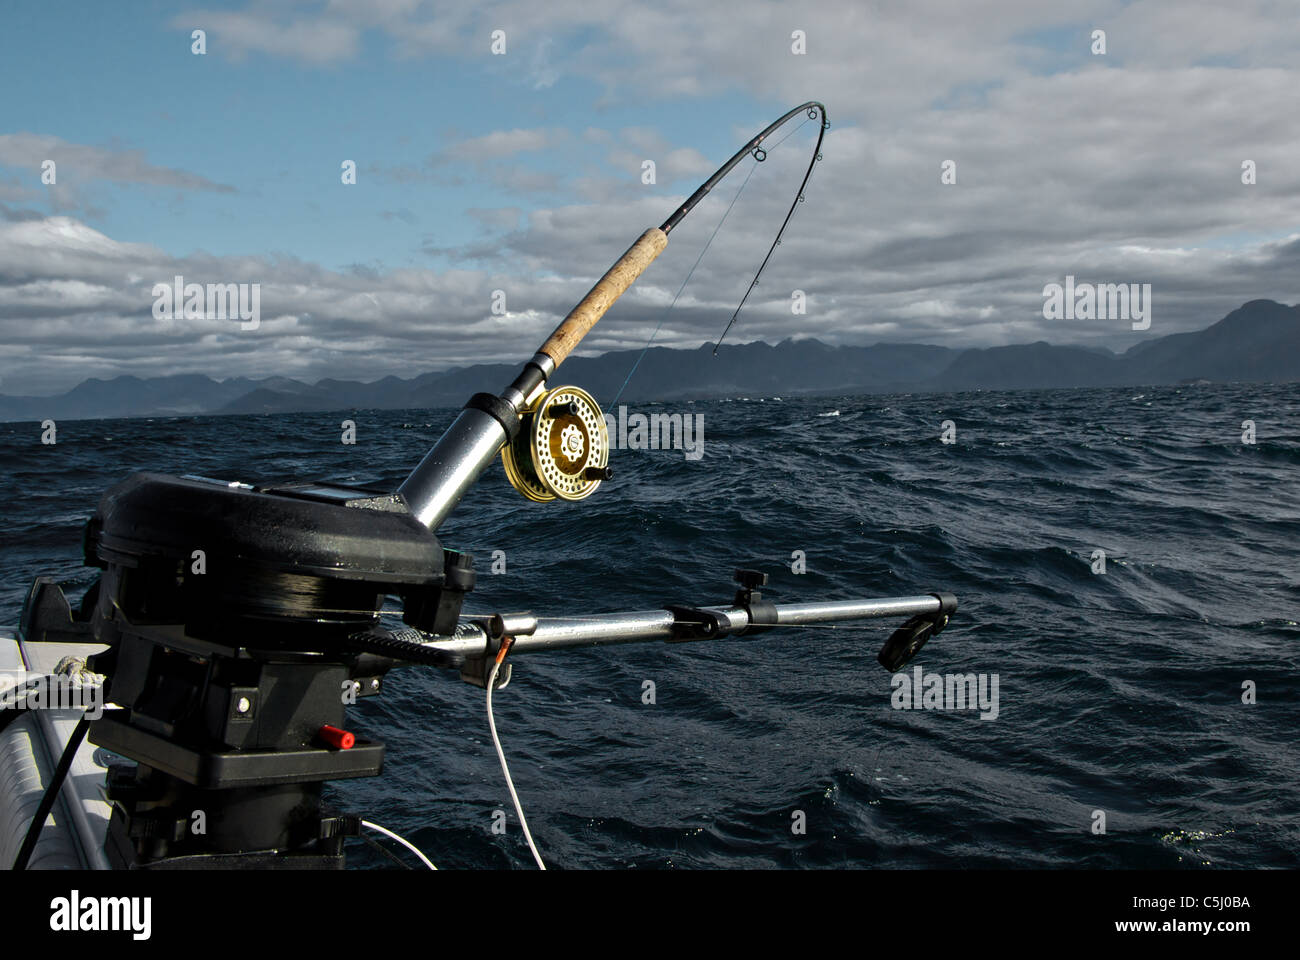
228, 612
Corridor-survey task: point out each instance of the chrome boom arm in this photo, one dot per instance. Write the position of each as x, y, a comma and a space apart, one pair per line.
478, 638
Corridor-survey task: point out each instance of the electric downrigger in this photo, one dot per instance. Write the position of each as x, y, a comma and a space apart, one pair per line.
234, 673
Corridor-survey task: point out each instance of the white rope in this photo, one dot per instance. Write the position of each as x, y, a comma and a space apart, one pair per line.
496, 742
404, 842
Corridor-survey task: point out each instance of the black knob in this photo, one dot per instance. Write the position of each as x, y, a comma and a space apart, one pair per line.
458, 570
566, 409
598, 473
457, 558
750, 579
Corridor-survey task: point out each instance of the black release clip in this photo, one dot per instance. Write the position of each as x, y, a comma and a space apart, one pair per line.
696, 623
904, 643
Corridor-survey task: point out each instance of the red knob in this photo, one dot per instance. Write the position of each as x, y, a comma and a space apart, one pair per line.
336, 737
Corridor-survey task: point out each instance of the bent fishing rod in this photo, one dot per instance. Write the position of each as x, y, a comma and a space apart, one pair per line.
489, 422
528, 424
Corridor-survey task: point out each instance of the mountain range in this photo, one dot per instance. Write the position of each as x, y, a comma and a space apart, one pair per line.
1259, 341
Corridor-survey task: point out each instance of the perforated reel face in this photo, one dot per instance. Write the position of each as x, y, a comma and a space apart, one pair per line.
561, 449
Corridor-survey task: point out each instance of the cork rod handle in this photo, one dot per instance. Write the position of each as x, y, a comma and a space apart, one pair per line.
602, 296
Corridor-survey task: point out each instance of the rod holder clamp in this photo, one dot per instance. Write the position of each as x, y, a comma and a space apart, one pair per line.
762, 613
498, 626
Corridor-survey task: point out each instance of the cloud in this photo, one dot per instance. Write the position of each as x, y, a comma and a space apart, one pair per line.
543, 73
499, 144
497, 218
75, 302
79, 163
491, 155
530, 182
1123, 168
14, 213
77, 166
861, 51
310, 39
635, 145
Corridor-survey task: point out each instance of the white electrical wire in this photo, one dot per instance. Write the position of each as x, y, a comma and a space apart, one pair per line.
404, 842
496, 742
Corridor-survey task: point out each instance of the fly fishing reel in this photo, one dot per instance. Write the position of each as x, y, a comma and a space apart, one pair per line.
562, 448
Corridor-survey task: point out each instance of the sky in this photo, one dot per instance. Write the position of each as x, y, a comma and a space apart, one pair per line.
520, 170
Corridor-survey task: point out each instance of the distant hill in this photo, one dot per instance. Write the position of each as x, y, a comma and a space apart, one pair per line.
1258, 341
1028, 366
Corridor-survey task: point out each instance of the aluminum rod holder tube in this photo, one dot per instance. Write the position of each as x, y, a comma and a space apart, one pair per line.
451, 467
467, 448
794, 614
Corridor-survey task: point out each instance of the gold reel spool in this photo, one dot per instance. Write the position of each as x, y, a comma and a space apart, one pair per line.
562, 450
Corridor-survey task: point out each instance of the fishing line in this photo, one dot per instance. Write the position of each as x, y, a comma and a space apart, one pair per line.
792, 626
496, 742
691, 273
1203, 621
644, 349
875, 768
789, 135
754, 148
799, 198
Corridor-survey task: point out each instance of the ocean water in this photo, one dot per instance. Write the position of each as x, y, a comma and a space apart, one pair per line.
1119, 692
